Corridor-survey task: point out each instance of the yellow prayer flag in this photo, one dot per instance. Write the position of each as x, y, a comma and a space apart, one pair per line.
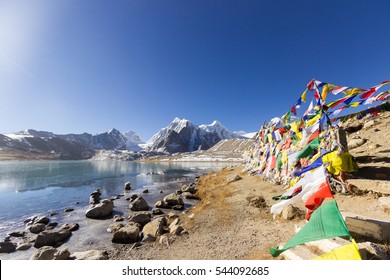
325, 90
313, 120
269, 135
346, 252
303, 96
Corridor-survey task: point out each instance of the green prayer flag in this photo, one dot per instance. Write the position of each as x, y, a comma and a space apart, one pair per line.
325, 222
309, 149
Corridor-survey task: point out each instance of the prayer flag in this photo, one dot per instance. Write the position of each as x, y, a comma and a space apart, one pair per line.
346, 252
315, 199
326, 222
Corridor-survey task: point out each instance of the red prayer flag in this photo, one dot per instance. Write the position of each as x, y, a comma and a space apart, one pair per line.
316, 199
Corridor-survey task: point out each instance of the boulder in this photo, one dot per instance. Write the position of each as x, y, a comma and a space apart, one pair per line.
42, 220
127, 186
115, 227
233, 178
36, 228
90, 255
157, 211
289, 212
162, 204
141, 218
189, 188
94, 198
139, 204
189, 195
178, 207
23, 246
127, 234
369, 123
17, 233
30, 219
101, 210
7, 246
354, 143
133, 196
51, 237
50, 253
71, 227
118, 218
155, 227
173, 199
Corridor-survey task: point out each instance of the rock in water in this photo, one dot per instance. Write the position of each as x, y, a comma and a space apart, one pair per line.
101, 210
51, 237
173, 199
127, 186
139, 204
36, 228
41, 220
127, 234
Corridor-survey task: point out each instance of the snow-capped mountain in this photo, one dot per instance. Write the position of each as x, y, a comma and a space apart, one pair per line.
133, 141
181, 135
43, 144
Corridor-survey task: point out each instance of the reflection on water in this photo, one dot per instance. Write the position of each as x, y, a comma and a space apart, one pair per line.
41, 187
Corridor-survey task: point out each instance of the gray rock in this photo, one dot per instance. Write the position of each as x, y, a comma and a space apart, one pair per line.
133, 196
51, 237
37, 228
156, 227
127, 234
44, 253
189, 195
42, 220
162, 204
23, 246
141, 218
139, 204
94, 198
101, 210
369, 123
178, 207
30, 219
17, 233
234, 178
90, 255
115, 227
145, 191
69, 210
289, 212
54, 214
157, 211
354, 143
71, 227
189, 188
50, 253
173, 199
118, 218
127, 186
7, 247
148, 238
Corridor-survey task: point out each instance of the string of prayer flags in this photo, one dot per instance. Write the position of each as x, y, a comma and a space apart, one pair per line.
326, 222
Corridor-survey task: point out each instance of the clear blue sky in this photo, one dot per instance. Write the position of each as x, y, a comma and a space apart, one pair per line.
88, 66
